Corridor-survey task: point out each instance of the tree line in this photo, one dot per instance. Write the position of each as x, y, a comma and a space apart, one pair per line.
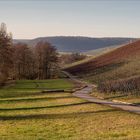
19, 61
71, 58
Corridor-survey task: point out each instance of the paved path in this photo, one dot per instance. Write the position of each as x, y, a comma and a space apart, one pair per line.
85, 94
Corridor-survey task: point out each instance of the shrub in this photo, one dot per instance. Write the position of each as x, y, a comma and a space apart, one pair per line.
125, 85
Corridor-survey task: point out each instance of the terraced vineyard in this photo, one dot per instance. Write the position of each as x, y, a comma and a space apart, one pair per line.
26, 114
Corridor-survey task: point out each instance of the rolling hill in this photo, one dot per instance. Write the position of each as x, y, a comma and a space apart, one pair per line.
101, 50
112, 69
78, 44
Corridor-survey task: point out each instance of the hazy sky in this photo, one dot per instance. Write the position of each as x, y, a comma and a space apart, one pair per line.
95, 18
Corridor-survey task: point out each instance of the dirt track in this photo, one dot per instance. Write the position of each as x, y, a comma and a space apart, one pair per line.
84, 93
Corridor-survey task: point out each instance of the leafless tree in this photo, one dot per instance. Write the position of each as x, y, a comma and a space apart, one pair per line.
46, 56
24, 62
5, 53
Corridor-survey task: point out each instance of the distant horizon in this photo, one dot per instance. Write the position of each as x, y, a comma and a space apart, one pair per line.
91, 18
71, 36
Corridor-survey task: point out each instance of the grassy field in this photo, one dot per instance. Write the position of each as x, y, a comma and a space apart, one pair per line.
33, 87
61, 116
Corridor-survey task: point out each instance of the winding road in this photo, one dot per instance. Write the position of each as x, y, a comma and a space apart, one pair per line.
84, 93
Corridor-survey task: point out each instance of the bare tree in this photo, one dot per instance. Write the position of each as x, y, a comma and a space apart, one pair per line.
5, 53
24, 62
21, 62
47, 59
71, 58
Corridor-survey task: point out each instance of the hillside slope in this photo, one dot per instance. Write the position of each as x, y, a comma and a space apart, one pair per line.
118, 67
78, 44
112, 57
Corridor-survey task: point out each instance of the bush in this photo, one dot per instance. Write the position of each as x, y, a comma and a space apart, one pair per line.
125, 85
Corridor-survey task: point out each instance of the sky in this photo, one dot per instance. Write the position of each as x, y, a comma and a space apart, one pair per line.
28, 19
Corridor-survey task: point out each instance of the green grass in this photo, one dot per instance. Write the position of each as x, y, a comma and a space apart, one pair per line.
130, 98
47, 84
33, 87
25, 114
60, 116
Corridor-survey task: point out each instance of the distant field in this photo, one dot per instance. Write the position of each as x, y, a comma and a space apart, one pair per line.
32, 87
60, 116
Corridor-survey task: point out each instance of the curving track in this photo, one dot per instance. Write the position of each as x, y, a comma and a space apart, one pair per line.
84, 93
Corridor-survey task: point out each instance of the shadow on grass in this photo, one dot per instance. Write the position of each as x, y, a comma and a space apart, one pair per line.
35, 99
54, 116
43, 107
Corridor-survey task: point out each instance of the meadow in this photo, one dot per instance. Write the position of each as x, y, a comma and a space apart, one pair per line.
33, 87
60, 116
